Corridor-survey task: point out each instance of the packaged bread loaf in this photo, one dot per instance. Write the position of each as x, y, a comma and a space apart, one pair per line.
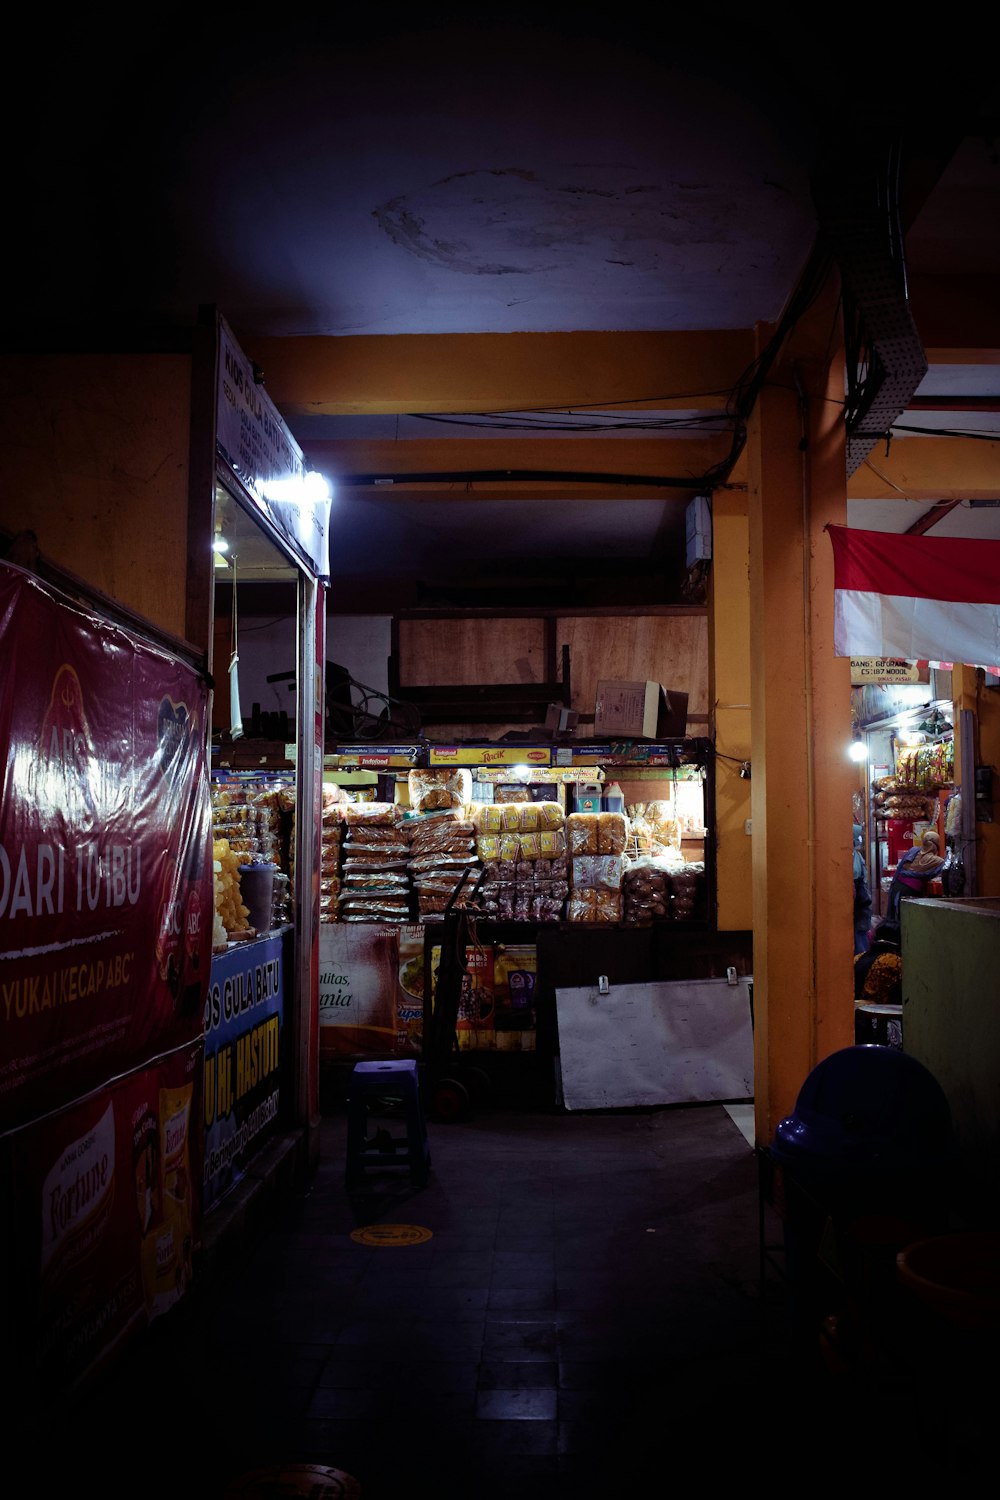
612, 831
441, 788
374, 814
581, 833
581, 906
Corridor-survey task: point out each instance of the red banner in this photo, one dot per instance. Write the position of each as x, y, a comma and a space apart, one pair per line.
101, 1220
106, 893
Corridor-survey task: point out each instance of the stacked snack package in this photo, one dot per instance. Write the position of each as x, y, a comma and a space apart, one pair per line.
235, 818
274, 825
646, 892
685, 891
441, 849
596, 847
926, 767
329, 854
522, 846
653, 827
247, 813
893, 798
375, 882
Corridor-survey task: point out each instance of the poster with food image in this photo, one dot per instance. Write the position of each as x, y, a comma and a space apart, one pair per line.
410, 984
514, 974
364, 1008
474, 1028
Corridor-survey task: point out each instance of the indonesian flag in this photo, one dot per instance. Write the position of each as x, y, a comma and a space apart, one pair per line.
916, 597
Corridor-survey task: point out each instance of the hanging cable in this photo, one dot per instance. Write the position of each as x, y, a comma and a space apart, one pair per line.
235, 715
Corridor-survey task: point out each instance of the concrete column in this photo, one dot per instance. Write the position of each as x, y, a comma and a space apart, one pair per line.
801, 718
729, 701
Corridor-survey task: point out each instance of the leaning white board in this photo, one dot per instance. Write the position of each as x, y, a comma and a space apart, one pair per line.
687, 1041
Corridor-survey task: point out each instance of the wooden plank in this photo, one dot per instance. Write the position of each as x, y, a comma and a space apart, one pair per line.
94, 459
438, 653
672, 650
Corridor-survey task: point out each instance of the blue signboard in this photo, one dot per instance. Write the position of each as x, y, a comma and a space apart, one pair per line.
244, 1024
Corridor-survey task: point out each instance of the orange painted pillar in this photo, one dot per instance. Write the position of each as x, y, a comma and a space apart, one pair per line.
800, 719
729, 699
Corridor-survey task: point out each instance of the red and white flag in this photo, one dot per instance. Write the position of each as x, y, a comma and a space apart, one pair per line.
916, 597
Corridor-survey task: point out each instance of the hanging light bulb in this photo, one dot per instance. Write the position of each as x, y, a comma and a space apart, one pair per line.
858, 749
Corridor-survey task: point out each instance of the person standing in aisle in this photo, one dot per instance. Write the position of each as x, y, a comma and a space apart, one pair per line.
862, 895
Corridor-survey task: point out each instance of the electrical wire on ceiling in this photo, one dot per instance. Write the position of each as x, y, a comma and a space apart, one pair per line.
740, 401
958, 432
503, 422
865, 377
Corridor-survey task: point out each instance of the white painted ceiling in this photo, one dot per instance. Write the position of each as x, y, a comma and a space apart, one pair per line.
537, 170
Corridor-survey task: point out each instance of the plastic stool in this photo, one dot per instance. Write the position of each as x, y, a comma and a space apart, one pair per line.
384, 1088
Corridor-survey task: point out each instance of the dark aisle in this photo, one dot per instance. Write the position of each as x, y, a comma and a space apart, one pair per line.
585, 1319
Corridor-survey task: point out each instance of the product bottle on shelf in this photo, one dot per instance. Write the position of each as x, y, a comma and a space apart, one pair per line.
614, 798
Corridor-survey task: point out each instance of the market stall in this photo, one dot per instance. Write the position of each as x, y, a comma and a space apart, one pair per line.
910, 782
592, 854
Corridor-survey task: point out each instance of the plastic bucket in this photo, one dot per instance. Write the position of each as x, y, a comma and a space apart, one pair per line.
257, 892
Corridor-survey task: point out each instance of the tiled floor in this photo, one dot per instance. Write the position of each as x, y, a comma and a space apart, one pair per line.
585, 1318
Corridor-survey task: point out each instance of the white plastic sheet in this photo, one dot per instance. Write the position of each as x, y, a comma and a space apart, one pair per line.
689, 1041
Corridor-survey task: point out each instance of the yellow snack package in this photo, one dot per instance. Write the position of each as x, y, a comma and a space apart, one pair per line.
489, 817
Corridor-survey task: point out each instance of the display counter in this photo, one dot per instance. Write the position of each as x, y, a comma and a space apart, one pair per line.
246, 1056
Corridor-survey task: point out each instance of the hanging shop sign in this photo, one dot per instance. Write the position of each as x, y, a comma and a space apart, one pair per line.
884, 669
244, 1026
489, 755
375, 758
105, 886
540, 775
626, 753
252, 438
104, 1194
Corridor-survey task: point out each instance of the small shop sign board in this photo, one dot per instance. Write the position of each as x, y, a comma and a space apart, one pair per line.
883, 669
490, 755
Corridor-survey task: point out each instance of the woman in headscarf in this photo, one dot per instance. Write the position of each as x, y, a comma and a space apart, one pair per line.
923, 863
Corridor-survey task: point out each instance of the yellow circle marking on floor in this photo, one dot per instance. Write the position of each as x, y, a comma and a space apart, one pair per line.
391, 1234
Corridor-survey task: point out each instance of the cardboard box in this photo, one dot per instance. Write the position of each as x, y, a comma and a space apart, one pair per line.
639, 710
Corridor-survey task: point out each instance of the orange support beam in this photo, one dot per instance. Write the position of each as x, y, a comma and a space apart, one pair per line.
800, 697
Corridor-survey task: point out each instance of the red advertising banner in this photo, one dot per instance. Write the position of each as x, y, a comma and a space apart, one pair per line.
101, 1219
106, 894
